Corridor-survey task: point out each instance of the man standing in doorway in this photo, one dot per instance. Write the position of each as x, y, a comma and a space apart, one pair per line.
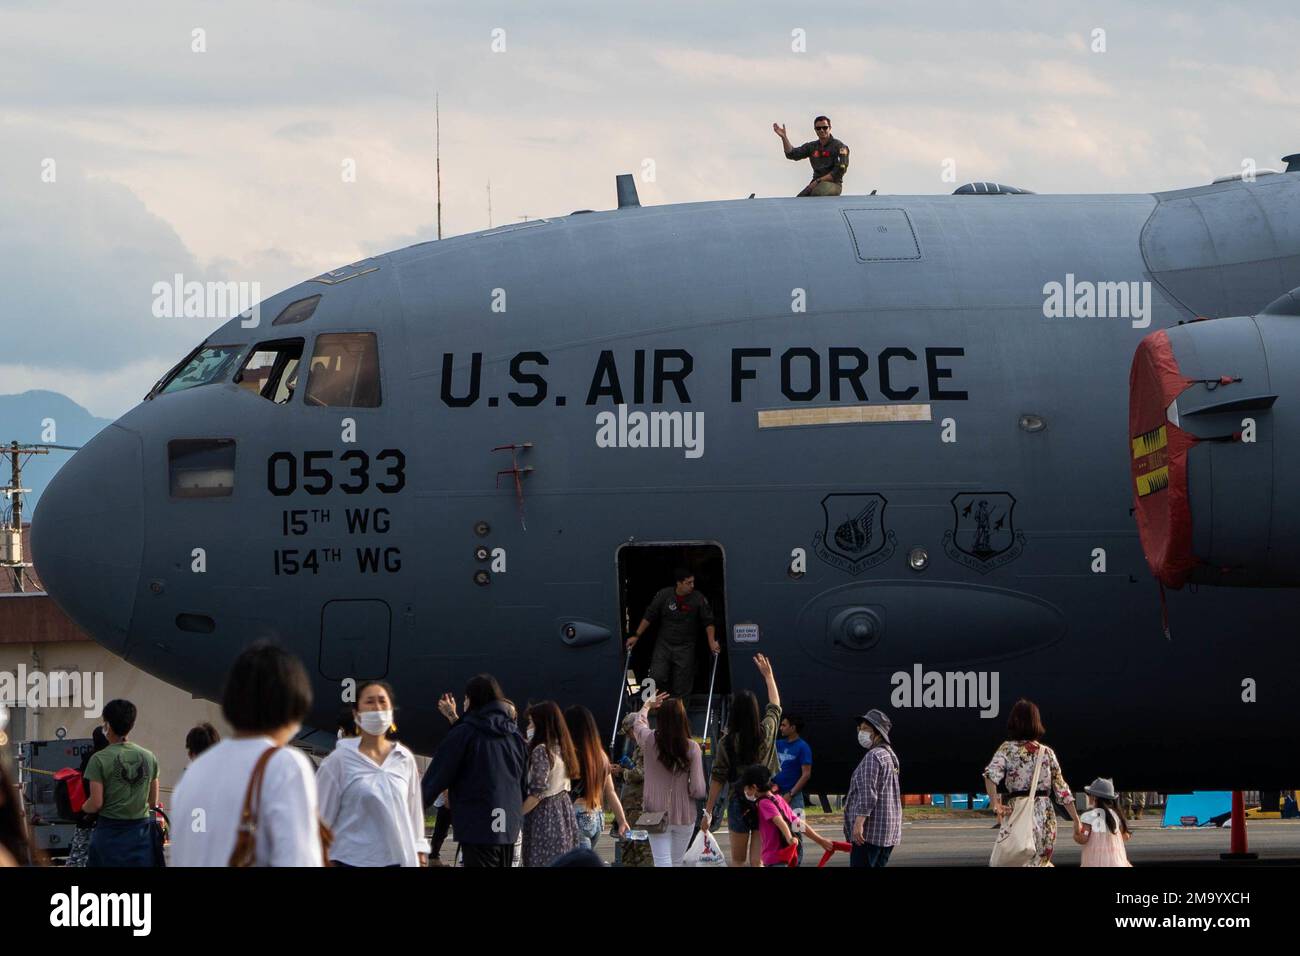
829, 158
679, 611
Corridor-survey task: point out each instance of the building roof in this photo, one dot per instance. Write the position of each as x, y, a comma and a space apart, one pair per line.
32, 616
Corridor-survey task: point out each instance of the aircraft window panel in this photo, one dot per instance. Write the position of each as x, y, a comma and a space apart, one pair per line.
299, 311
271, 370
344, 371
201, 467
209, 364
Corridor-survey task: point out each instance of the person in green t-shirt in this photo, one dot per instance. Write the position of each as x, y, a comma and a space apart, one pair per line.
123, 780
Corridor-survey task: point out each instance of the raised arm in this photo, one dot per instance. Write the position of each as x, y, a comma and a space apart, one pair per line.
765, 668
791, 152
641, 731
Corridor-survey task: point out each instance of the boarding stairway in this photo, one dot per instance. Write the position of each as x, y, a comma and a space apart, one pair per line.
705, 712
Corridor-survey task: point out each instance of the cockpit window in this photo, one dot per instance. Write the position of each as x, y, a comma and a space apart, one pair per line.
299, 311
201, 467
271, 370
344, 371
210, 363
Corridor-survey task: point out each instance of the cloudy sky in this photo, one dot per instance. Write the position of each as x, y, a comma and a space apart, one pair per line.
228, 163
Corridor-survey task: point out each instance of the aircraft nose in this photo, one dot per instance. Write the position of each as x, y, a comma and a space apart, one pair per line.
88, 535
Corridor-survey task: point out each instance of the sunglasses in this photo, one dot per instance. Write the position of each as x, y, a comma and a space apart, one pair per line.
819, 129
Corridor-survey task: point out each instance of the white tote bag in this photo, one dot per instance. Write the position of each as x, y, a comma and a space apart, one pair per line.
1015, 845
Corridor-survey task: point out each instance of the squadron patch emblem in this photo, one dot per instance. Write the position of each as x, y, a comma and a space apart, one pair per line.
854, 537
984, 535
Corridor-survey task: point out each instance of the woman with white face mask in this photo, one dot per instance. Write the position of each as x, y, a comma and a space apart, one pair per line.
370, 790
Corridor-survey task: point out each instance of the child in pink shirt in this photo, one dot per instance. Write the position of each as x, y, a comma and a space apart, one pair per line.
778, 825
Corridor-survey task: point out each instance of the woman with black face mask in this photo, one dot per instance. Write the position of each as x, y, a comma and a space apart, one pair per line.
79, 848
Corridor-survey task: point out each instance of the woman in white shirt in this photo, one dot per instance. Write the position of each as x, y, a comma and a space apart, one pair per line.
266, 697
370, 790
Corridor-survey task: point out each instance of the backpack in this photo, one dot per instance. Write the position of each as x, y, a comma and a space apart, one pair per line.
69, 793
790, 823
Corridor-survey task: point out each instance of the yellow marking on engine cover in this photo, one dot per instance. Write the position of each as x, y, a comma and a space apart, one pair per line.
1157, 480
1150, 441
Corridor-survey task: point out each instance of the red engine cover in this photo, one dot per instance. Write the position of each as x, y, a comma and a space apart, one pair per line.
1158, 461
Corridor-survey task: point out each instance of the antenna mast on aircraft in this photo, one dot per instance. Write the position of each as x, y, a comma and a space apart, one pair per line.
437, 156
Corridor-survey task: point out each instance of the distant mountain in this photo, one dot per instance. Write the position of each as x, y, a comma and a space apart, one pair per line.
23, 418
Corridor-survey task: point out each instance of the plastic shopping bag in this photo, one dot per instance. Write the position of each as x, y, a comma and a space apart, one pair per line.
704, 851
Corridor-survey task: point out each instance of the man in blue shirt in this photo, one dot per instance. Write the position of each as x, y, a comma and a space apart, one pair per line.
795, 758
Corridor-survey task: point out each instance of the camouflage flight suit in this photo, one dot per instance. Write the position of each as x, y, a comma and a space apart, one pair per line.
832, 158
633, 852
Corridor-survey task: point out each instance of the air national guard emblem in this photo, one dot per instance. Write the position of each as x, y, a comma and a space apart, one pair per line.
984, 534
854, 538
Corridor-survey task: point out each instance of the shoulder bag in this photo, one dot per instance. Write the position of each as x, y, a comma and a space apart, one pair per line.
245, 851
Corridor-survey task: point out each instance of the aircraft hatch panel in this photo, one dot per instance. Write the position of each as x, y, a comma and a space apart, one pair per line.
882, 235
354, 637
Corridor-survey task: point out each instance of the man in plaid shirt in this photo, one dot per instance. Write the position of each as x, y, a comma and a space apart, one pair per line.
873, 814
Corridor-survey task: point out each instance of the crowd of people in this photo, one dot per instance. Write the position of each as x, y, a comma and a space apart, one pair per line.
531, 788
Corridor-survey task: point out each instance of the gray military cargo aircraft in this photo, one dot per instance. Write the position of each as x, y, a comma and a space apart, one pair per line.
928, 453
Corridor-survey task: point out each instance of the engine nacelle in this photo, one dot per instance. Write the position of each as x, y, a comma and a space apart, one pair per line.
1214, 429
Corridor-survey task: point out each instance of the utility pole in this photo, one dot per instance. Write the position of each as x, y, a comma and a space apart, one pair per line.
437, 156
11, 551
11, 531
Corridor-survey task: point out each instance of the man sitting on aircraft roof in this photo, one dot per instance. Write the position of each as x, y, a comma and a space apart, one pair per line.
829, 158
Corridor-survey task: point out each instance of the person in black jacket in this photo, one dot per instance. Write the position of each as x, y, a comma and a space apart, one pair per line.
481, 765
